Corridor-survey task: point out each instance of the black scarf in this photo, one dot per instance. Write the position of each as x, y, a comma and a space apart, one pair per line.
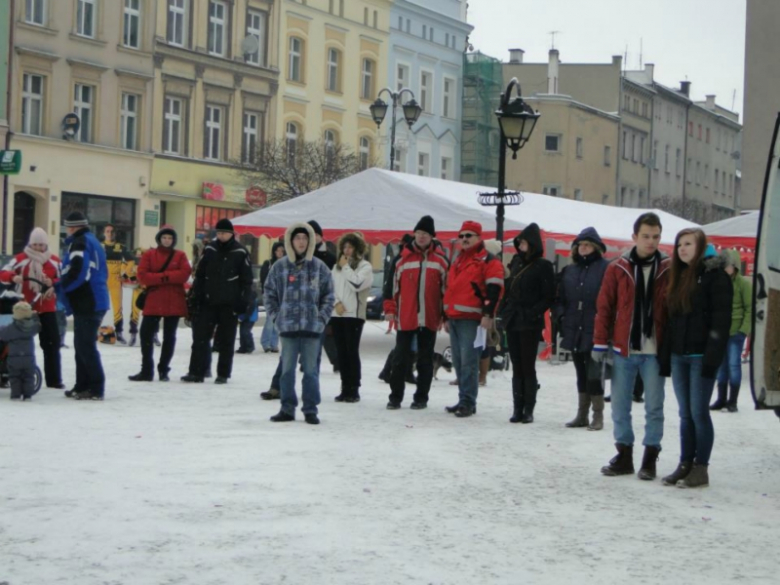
643, 297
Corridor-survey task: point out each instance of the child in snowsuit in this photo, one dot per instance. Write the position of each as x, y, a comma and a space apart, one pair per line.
19, 336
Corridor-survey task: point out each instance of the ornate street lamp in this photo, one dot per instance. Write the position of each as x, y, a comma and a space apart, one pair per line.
516, 120
411, 109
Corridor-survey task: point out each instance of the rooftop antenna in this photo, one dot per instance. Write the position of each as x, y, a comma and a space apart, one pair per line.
625, 59
641, 53
553, 33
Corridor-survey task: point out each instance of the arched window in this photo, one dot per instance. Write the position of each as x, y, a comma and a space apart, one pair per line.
334, 72
364, 153
367, 79
291, 136
295, 60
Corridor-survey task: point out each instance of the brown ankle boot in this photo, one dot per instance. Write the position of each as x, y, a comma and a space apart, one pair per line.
484, 368
598, 413
698, 477
581, 420
622, 463
647, 471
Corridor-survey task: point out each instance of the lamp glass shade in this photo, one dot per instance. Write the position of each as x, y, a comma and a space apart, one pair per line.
412, 111
378, 111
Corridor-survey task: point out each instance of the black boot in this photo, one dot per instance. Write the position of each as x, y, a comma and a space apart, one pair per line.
354, 395
622, 463
384, 375
731, 405
530, 388
342, 397
141, 377
163, 375
647, 471
720, 403
517, 400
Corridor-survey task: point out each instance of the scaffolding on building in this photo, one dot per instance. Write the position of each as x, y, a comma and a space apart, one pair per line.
482, 86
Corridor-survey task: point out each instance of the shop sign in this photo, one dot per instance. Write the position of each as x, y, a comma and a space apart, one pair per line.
151, 218
256, 197
10, 162
213, 192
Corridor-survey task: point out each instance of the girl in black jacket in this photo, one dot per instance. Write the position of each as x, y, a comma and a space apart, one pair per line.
528, 294
576, 305
695, 339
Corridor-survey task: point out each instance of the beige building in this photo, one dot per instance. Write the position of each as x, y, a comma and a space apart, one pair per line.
334, 57
572, 153
762, 96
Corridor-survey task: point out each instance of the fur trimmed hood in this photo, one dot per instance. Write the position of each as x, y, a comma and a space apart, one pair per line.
358, 243
288, 247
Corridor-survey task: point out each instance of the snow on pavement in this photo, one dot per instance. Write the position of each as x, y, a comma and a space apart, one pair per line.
174, 483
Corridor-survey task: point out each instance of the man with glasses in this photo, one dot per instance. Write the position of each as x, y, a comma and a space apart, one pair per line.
474, 286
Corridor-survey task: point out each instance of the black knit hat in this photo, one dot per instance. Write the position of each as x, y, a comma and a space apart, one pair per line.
316, 227
76, 219
426, 225
299, 230
166, 230
224, 225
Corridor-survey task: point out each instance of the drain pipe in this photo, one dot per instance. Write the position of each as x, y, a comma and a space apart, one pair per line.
8, 119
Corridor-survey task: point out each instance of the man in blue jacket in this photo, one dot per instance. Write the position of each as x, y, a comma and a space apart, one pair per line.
84, 292
299, 298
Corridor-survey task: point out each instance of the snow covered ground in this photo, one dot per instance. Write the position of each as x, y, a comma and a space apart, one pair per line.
173, 483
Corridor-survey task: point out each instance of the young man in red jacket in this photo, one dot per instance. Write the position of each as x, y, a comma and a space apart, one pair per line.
630, 316
474, 286
416, 307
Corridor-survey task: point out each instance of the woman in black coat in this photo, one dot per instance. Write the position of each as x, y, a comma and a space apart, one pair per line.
576, 306
528, 294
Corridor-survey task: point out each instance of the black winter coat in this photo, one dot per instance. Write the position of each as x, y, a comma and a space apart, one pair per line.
224, 275
578, 290
266, 267
705, 329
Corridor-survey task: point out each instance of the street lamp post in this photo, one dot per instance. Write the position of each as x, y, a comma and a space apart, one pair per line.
516, 120
411, 109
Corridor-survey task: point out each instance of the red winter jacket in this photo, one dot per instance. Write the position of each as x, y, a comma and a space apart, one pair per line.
418, 287
21, 265
615, 305
467, 294
166, 289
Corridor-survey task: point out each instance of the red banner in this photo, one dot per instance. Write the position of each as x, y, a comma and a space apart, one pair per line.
256, 197
213, 191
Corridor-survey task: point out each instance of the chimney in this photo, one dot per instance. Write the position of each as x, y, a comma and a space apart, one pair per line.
685, 88
617, 60
650, 71
516, 56
552, 72
711, 102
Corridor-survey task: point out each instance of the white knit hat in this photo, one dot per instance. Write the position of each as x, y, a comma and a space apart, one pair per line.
39, 236
22, 311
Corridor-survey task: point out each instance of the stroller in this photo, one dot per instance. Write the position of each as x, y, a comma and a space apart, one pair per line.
8, 298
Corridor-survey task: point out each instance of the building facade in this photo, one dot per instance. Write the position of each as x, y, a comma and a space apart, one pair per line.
427, 41
762, 96
333, 56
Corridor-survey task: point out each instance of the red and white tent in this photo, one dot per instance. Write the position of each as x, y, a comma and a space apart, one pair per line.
739, 233
385, 205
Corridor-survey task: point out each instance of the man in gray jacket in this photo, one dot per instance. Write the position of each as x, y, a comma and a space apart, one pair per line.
299, 298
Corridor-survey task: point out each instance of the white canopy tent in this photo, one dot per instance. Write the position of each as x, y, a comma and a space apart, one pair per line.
742, 226
385, 205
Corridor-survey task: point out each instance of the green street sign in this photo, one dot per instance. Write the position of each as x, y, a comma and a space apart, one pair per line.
151, 218
10, 162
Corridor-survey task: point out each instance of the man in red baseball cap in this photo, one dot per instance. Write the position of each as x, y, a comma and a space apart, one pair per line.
475, 283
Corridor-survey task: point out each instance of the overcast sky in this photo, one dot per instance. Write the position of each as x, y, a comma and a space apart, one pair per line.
702, 41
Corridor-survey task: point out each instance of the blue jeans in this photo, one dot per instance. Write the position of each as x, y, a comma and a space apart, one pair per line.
89, 368
269, 339
624, 373
246, 341
731, 368
308, 348
693, 395
277, 377
465, 359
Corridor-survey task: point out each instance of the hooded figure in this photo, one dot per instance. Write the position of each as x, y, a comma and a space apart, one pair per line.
19, 336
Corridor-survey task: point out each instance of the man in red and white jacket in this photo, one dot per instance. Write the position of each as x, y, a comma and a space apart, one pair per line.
416, 307
631, 313
475, 284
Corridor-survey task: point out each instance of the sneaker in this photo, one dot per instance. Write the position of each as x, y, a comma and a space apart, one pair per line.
141, 377
191, 378
221, 380
418, 406
120, 338
282, 417
393, 406
312, 419
272, 394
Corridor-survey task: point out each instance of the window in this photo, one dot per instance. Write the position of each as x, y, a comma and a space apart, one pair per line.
447, 39
425, 31
217, 27
642, 150
295, 61
329, 139
376, 19
426, 91
172, 126
655, 154
129, 121
341, 8
690, 129
32, 104
177, 27
645, 109
605, 199
83, 98
678, 163
400, 23
717, 181
578, 194
365, 16
291, 137
131, 24
408, 25
256, 26
636, 106
85, 18
423, 164
625, 145
364, 153
453, 41
212, 141
552, 143
367, 80
552, 190
250, 137
688, 170
446, 168
708, 135
334, 58
698, 173
666, 159
430, 34
579, 148
707, 176
717, 139
634, 147
627, 103
402, 77
448, 102
623, 200
35, 12
607, 156
699, 131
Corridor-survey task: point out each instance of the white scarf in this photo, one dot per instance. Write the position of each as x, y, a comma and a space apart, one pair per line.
37, 260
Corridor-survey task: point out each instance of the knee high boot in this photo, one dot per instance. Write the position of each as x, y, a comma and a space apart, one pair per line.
484, 368
384, 375
530, 388
598, 413
720, 403
581, 420
517, 400
731, 405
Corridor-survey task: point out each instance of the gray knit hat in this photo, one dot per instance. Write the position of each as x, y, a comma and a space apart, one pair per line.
22, 311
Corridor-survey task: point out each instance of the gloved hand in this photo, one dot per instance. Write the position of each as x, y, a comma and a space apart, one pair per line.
598, 356
240, 307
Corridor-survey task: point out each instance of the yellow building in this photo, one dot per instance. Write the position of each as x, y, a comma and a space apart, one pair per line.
333, 56
215, 78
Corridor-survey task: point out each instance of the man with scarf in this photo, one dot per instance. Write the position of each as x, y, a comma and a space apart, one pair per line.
630, 316
35, 271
